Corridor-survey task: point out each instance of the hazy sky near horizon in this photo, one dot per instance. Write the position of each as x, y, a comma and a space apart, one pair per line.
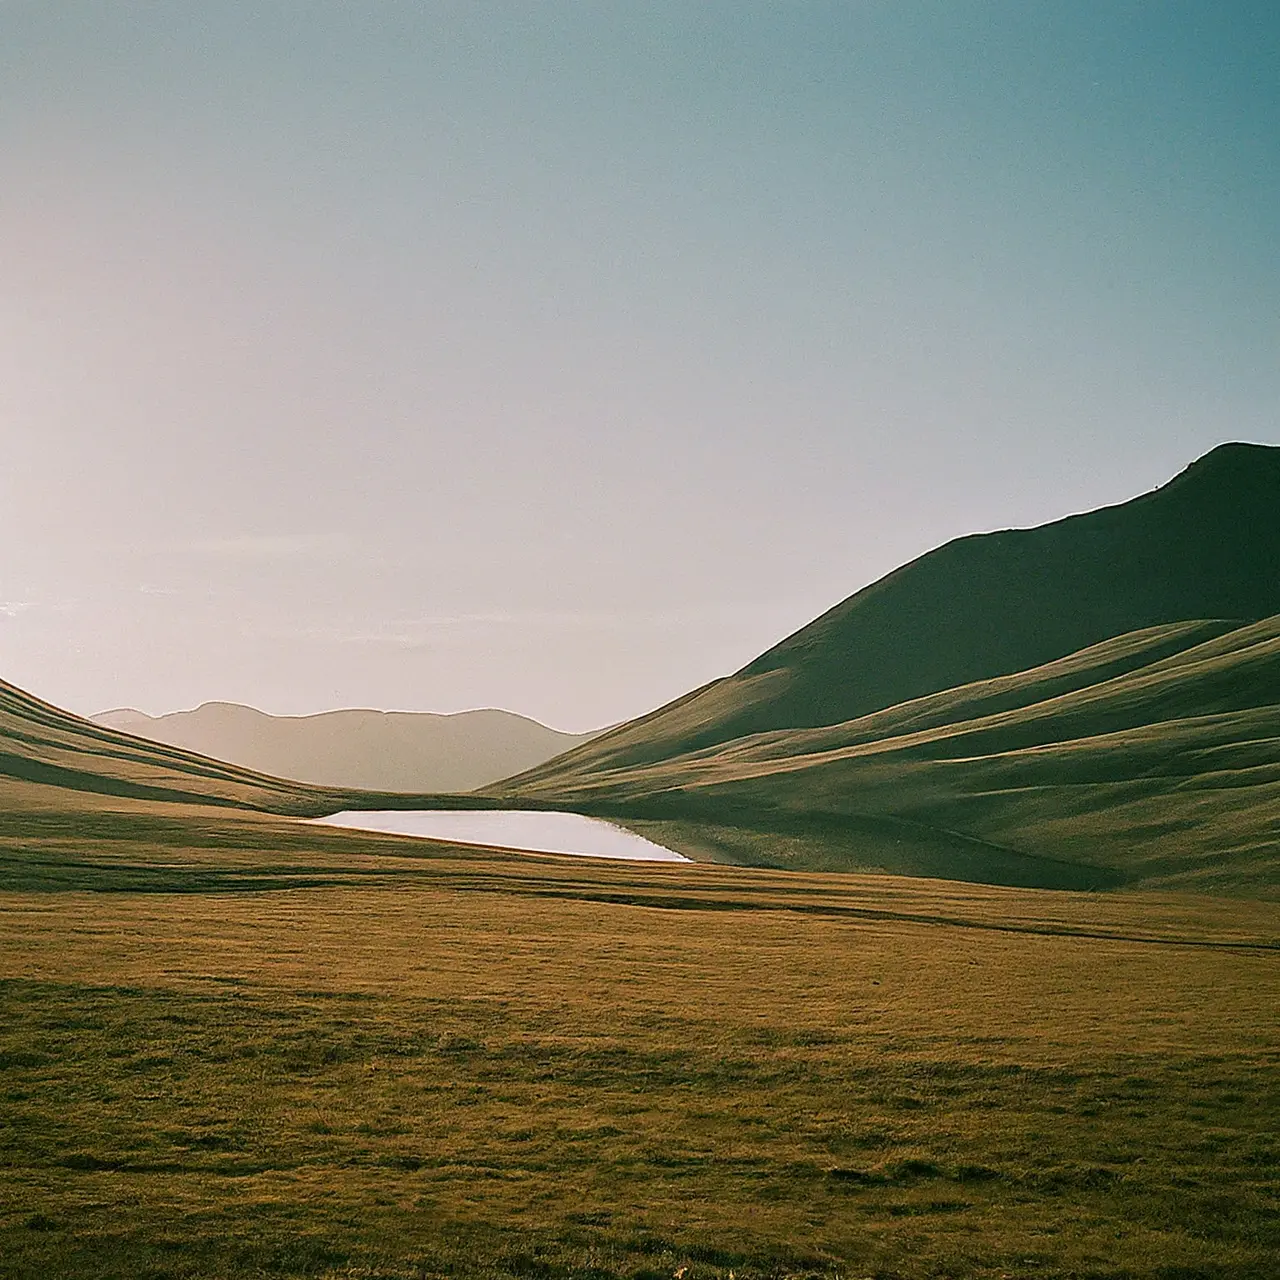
563, 356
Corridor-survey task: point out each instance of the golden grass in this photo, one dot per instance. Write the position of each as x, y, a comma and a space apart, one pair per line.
409, 1059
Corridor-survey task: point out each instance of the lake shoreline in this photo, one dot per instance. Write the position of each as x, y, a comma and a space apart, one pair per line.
550, 832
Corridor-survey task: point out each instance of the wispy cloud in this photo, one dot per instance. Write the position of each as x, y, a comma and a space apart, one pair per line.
273, 546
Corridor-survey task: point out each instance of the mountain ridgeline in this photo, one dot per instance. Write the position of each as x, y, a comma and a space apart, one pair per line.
371, 750
1206, 545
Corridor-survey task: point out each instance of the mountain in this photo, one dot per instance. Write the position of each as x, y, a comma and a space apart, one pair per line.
48, 749
1093, 702
372, 750
1205, 545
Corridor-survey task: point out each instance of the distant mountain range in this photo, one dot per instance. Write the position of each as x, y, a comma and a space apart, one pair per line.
373, 750
1089, 702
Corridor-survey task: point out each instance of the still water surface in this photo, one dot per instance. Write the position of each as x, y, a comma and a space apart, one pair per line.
531, 832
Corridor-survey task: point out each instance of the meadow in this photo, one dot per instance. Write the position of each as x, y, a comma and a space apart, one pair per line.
233, 1046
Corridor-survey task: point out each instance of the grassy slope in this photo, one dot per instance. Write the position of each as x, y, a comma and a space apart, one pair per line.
43, 745
375, 750
1152, 757
263, 1049
1206, 545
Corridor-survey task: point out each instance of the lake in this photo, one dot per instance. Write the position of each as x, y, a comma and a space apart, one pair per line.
525, 830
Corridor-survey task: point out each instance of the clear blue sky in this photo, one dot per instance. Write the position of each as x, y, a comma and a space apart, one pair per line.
562, 356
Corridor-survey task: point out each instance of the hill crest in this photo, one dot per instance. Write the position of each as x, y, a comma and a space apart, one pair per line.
1204, 545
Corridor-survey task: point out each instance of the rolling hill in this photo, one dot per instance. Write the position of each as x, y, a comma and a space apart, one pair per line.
44, 747
1205, 545
1153, 758
368, 750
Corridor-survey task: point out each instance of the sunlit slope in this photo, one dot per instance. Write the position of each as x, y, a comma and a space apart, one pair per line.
42, 744
1206, 545
1152, 757
375, 750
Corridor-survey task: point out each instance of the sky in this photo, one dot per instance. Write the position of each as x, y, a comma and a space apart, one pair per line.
564, 356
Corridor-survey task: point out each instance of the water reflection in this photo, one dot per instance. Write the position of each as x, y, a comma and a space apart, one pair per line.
530, 832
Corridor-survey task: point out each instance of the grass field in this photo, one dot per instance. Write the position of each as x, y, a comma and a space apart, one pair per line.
231, 1045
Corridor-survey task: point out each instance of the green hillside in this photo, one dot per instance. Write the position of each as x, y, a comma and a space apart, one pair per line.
1206, 545
1153, 757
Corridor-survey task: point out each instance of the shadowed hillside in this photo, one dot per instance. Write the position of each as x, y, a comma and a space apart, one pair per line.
371, 750
1206, 545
